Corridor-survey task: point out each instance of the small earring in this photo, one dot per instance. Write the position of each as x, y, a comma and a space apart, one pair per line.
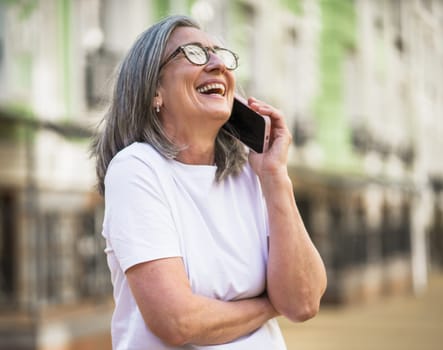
157, 108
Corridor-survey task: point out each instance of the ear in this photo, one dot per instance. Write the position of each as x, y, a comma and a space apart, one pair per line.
158, 100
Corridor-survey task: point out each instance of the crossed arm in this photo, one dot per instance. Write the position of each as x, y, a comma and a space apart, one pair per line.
296, 277
178, 316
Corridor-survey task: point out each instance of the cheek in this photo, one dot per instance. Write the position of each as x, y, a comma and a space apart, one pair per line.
175, 93
231, 81
182, 98
232, 77
179, 85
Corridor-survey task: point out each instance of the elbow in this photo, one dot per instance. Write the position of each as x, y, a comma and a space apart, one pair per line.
301, 313
174, 339
173, 332
307, 305
298, 306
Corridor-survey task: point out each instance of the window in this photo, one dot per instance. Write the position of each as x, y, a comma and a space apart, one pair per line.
100, 67
2, 47
7, 245
93, 274
427, 5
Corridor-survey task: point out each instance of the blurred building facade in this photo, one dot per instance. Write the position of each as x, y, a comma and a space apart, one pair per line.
360, 82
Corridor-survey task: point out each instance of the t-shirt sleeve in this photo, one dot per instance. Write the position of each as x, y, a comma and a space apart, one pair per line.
138, 219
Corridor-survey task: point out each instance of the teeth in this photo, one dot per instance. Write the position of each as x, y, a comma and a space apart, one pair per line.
213, 86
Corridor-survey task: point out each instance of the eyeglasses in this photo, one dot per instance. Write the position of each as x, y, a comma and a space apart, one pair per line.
199, 55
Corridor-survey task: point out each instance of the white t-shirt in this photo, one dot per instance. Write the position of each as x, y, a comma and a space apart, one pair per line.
157, 208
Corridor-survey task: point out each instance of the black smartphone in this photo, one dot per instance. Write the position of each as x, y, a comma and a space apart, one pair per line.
248, 126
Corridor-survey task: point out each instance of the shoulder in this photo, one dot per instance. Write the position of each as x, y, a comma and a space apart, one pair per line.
246, 182
248, 175
136, 161
141, 152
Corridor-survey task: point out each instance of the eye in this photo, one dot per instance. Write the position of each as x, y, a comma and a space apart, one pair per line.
228, 58
196, 54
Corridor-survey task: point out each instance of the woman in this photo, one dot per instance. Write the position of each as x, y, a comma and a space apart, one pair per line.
204, 242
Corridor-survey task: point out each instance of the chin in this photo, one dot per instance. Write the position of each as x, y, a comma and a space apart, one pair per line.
222, 115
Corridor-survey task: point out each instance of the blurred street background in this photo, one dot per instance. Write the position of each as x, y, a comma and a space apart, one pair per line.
361, 85
392, 323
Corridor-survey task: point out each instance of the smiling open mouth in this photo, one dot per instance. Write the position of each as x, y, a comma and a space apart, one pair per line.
214, 88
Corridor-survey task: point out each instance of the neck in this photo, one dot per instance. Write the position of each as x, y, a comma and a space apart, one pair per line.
198, 139
201, 154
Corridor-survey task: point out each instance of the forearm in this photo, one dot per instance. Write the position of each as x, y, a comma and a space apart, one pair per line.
178, 316
296, 275
216, 322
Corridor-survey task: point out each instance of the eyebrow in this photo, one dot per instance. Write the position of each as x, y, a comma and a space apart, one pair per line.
201, 44
174, 53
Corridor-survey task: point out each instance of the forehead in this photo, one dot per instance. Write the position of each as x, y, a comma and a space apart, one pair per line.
184, 35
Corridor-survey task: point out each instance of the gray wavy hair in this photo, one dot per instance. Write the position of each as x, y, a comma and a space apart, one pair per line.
131, 116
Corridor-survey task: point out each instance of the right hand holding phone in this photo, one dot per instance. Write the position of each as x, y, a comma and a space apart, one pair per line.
273, 163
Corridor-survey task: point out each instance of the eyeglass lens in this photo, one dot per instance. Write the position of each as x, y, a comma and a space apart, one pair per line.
200, 55
195, 54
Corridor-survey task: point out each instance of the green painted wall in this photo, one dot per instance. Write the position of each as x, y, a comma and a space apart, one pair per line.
161, 8
336, 40
294, 6
25, 8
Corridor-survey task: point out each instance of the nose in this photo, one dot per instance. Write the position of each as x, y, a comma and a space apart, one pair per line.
215, 63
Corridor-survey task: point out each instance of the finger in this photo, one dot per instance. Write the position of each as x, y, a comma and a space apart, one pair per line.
276, 116
264, 108
278, 121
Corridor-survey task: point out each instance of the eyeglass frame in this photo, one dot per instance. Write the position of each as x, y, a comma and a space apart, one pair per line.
205, 49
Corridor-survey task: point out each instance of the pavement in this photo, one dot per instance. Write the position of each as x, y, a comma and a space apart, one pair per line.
405, 322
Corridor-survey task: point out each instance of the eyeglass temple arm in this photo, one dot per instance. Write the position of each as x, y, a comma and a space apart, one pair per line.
171, 56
